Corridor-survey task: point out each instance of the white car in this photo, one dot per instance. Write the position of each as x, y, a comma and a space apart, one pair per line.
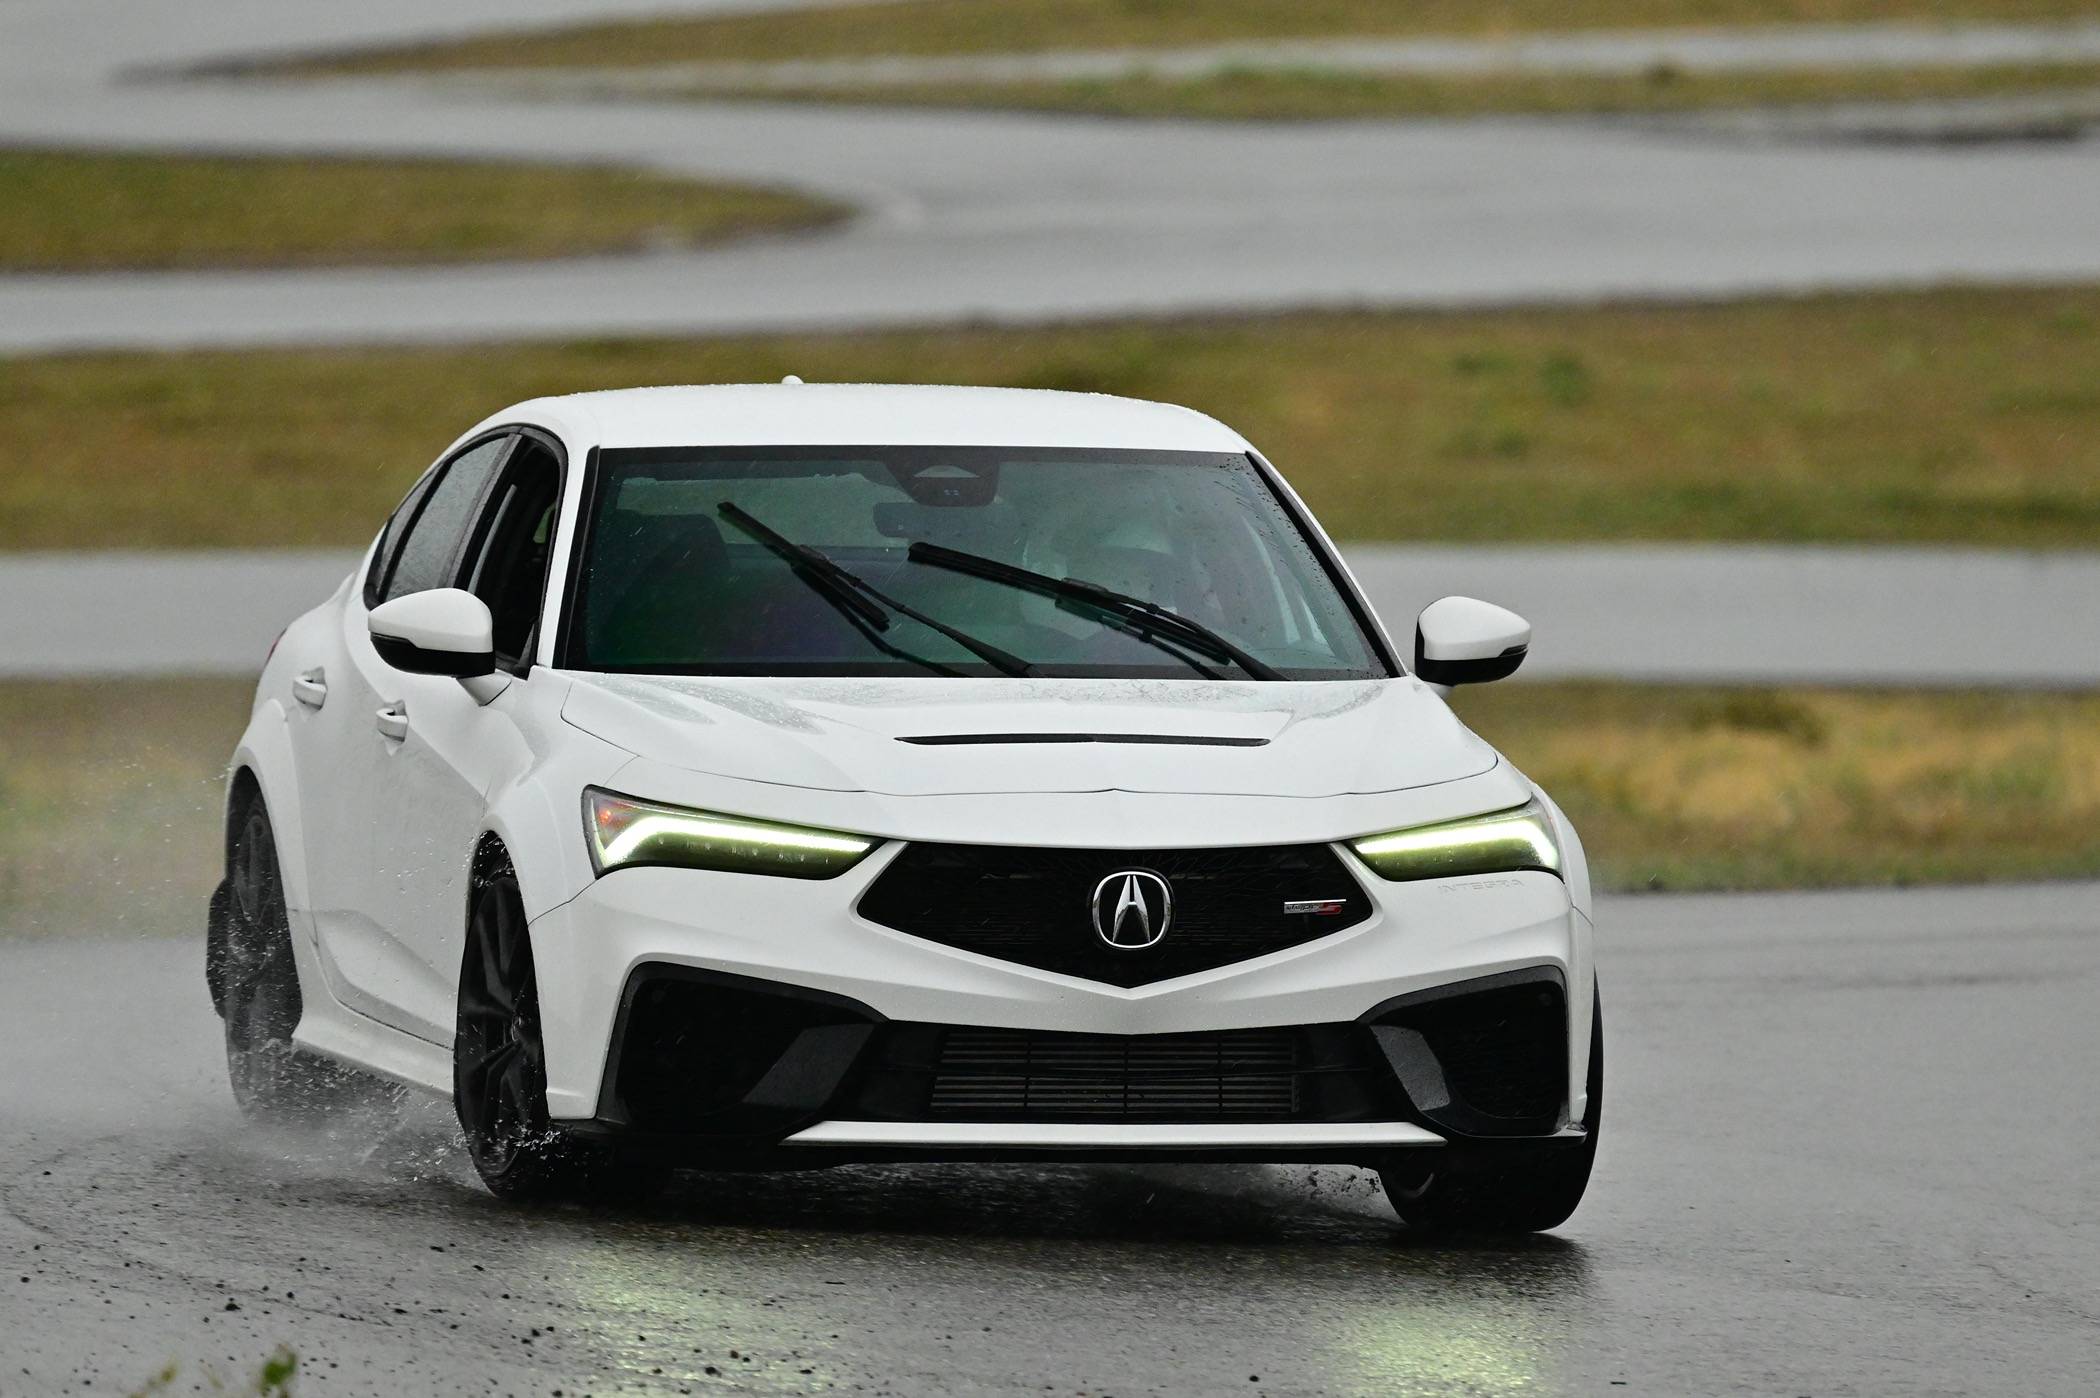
789, 774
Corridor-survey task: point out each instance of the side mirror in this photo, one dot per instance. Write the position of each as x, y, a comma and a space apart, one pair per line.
1460, 640
445, 631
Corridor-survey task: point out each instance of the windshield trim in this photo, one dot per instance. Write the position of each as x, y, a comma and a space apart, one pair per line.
601, 459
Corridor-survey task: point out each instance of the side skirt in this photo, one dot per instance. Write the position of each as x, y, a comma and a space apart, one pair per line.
331, 1029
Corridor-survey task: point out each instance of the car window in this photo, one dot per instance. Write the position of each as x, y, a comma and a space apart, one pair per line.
516, 533
391, 535
424, 558
672, 581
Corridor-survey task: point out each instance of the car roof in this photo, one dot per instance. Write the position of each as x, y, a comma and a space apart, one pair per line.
794, 414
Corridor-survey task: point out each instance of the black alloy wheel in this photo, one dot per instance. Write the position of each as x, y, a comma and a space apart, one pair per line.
1531, 1195
499, 1070
273, 1081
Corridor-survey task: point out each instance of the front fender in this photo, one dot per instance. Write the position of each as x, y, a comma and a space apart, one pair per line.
543, 835
265, 753
1582, 987
1575, 864
536, 808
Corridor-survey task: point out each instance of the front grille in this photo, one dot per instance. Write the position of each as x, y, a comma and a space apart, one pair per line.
993, 1073
930, 1072
1035, 906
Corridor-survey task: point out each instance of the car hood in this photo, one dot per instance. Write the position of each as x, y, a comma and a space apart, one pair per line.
991, 736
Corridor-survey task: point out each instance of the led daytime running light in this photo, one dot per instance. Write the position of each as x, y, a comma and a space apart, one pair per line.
625, 832
1505, 842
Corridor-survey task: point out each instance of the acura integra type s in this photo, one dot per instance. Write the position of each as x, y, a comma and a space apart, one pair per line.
782, 775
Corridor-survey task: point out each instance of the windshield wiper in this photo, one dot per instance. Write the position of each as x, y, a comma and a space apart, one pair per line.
1148, 621
863, 603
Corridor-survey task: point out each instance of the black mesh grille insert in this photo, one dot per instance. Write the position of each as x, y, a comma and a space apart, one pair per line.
1505, 1052
930, 1072
692, 1048
1502, 1053
1035, 906
1003, 1073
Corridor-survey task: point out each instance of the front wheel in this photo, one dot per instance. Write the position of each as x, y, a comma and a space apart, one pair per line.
499, 1070
1528, 1197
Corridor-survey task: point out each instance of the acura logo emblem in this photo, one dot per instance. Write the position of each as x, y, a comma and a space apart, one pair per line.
1132, 909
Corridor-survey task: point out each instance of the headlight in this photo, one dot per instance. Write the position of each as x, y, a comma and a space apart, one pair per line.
1500, 843
624, 832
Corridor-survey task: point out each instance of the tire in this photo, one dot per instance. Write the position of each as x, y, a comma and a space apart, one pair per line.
499, 1071
255, 984
1539, 1193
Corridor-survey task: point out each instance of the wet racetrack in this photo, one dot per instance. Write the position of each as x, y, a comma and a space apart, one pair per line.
1850, 1149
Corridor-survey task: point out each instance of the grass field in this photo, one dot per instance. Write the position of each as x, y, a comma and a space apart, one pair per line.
1017, 26
1684, 788
109, 791
1317, 95
109, 801
69, 211
1961, 416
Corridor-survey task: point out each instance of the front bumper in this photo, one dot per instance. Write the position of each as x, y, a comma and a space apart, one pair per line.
802, 942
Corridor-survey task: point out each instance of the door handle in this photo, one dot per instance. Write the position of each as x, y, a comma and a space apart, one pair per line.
393, 721
311, 688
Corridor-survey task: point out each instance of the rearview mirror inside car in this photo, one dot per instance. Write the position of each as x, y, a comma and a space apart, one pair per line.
1462, 640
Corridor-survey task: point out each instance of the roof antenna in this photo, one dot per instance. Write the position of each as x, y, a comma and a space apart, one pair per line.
792, 378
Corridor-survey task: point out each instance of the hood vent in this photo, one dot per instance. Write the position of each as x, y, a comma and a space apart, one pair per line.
946, 740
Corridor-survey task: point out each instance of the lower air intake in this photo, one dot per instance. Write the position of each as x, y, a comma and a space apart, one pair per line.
990, 1074
936, 1072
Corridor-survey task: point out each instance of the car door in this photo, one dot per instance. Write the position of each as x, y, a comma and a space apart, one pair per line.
353, 779
445, 747
328, 721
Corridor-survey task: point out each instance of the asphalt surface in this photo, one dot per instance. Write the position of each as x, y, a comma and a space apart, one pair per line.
1001, 216
1698, 614
1848, 1151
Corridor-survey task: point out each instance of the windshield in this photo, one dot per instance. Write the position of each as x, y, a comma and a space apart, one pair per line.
799, 561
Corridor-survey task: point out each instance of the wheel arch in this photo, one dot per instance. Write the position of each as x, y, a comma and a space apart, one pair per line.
262, 765
242, 786
541, 833
491, 860
252, 777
